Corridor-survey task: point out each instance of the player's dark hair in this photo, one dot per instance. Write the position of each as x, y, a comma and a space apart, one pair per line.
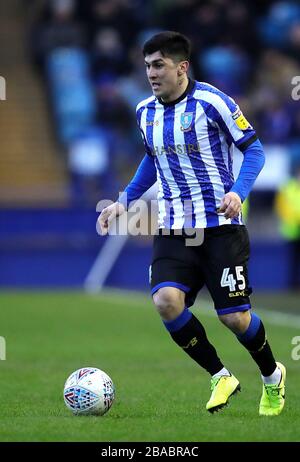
171, 44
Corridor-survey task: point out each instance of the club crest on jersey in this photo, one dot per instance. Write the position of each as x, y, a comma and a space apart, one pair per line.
186, 120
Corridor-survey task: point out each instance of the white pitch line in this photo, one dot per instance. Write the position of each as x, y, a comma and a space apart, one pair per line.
272, 317
281, 319
277, 318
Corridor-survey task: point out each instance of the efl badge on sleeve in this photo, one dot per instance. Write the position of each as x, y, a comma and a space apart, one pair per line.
240, 120
186, 120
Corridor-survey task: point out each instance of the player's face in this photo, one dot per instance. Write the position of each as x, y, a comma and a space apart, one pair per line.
165, 76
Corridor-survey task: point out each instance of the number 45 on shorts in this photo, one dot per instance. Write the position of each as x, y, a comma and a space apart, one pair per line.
233, 281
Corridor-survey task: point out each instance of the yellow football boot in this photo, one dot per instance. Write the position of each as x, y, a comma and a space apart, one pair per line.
222, 387
273, 396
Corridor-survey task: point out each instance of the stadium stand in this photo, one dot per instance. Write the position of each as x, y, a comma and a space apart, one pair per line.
31, 169
75, 73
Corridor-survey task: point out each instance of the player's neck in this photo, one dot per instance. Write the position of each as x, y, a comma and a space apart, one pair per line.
180, 90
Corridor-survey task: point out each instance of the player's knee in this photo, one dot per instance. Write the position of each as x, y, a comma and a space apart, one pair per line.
168, 302
236, 322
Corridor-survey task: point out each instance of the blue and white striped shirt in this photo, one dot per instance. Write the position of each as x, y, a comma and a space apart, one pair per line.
191, 142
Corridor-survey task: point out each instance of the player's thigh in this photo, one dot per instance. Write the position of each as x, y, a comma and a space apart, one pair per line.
225, 266
175, 265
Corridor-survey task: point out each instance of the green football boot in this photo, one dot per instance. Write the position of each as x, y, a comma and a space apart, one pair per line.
222, 387
273, 396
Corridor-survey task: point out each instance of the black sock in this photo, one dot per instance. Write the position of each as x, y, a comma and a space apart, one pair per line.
193, 340
260, 351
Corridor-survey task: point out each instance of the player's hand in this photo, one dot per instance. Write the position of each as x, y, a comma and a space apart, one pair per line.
108, 215
231, 205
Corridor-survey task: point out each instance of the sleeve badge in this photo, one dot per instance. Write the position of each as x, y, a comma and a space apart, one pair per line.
240, 120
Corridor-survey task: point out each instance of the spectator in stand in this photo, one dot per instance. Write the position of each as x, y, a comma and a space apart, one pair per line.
249, 50
108, 54
57, 27
115, 117
115, 14
240, 23
133, 86
226, 67
271, 96
274, 119
294, 41
92, 175
275, 26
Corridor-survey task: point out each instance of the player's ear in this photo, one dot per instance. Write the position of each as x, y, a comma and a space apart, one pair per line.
183, 67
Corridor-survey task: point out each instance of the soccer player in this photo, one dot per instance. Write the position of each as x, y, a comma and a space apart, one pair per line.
190, 130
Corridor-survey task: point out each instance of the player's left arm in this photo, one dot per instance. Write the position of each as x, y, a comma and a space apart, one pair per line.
238, 130
254, 159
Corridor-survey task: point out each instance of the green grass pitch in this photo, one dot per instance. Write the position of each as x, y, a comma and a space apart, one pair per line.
160, 392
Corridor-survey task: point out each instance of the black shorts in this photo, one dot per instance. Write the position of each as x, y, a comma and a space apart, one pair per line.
220, 263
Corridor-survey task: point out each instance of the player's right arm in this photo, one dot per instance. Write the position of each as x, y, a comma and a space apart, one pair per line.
108, 214
143, 179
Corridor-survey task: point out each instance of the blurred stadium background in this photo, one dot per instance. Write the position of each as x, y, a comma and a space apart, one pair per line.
74, 73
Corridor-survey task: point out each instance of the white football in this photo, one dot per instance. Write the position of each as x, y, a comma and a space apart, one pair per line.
89, 391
